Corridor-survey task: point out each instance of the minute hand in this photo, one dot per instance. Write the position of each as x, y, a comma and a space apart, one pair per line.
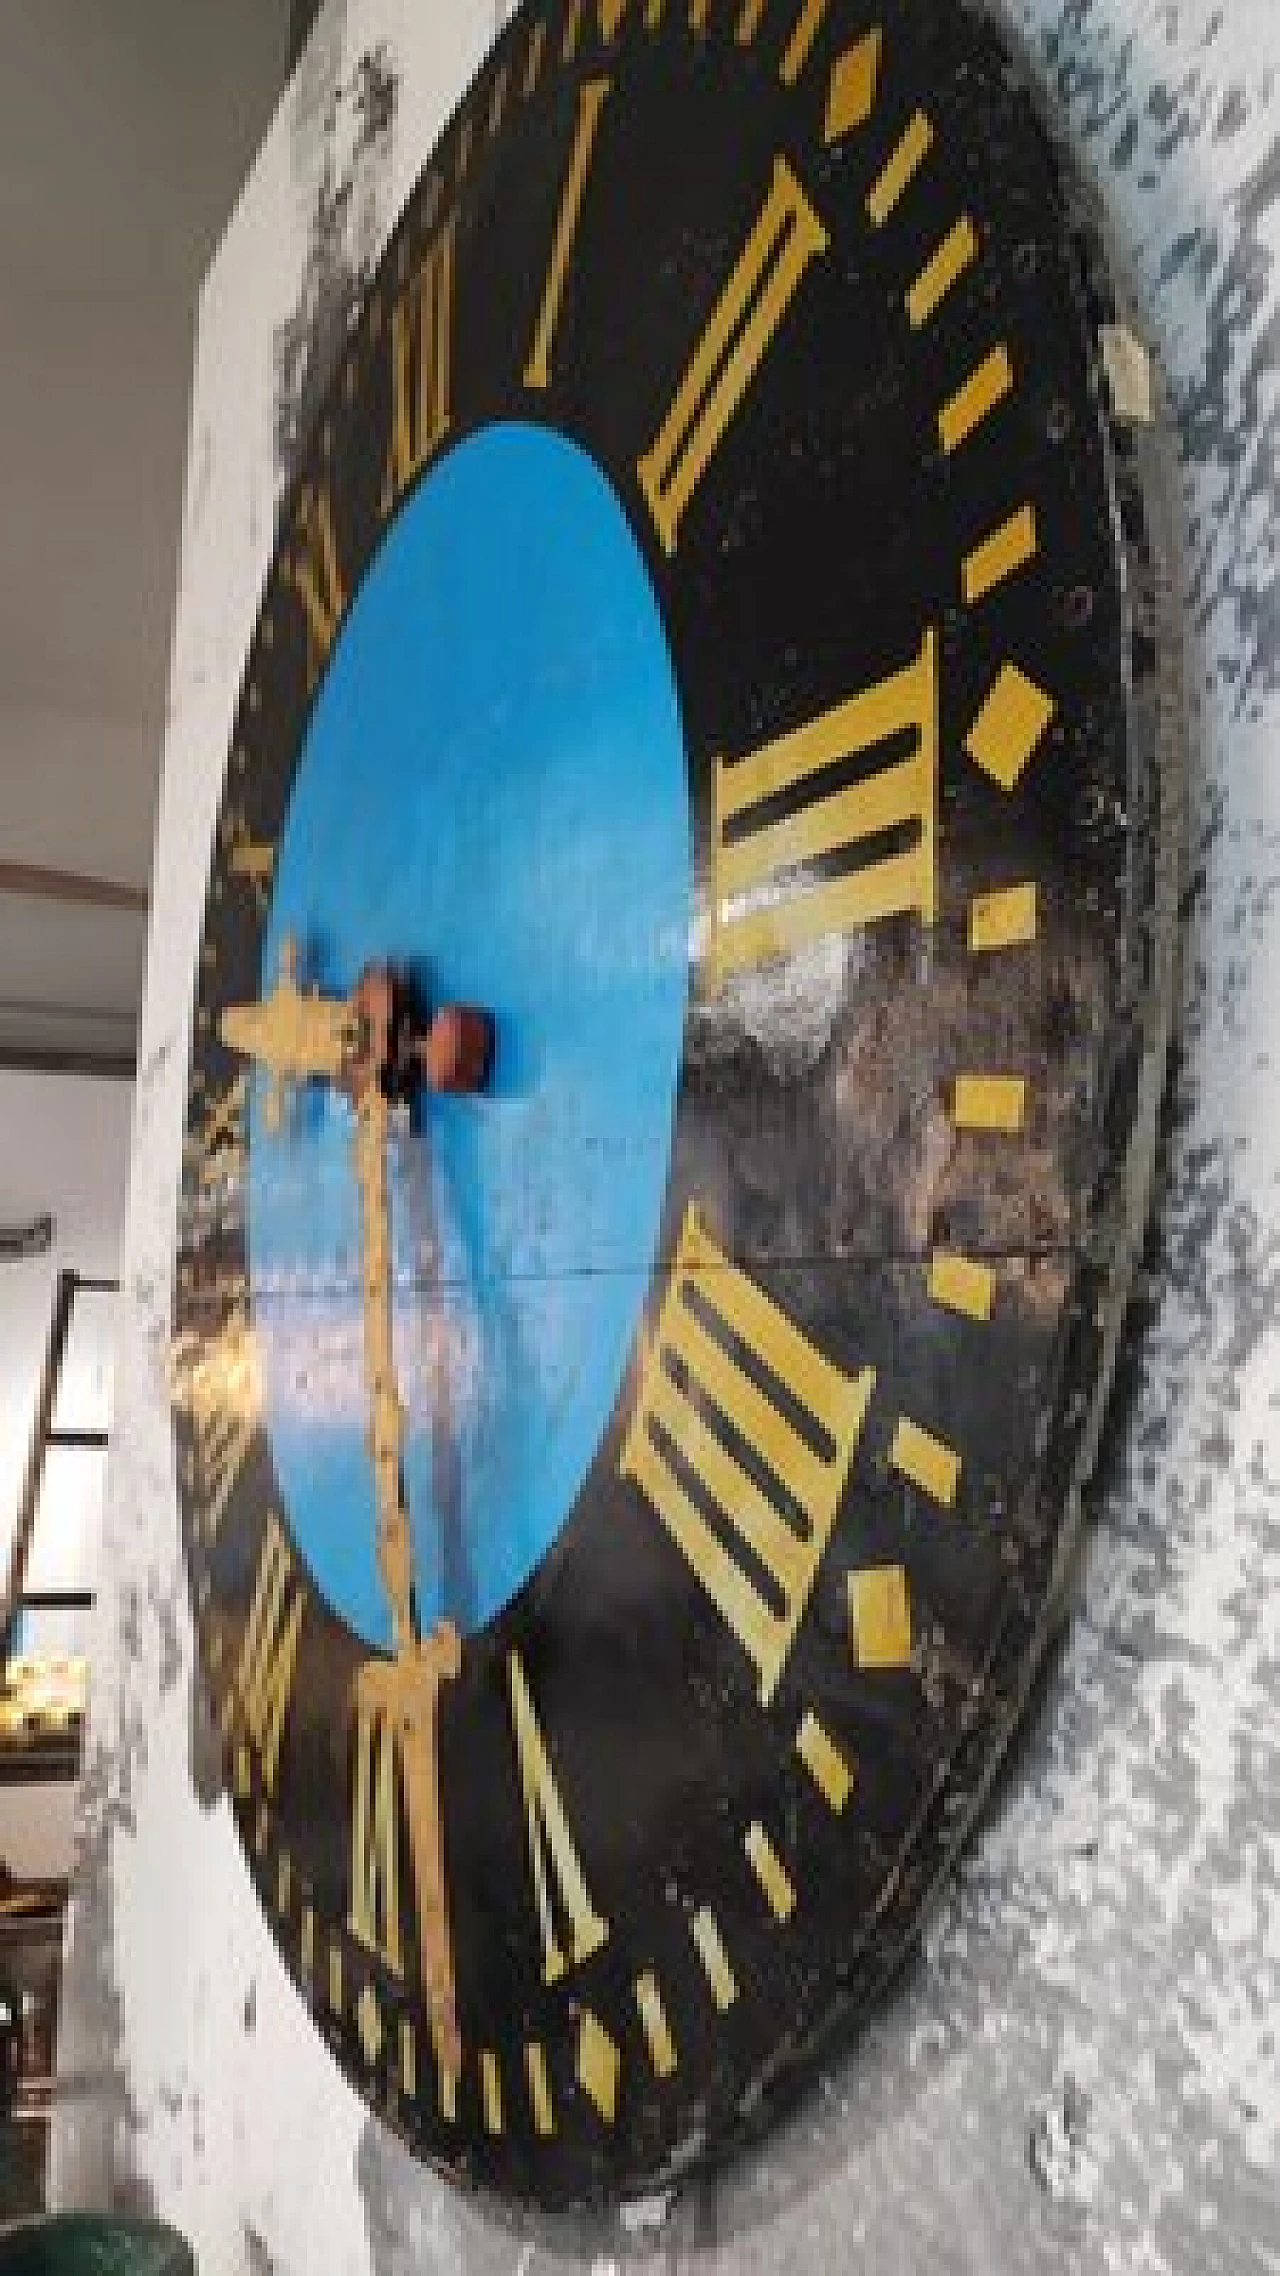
386, 1408
405, 1689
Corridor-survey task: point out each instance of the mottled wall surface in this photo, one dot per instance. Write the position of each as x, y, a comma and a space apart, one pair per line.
1083, 2069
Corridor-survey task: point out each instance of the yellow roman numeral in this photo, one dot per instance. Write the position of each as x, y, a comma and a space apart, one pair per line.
787, 236
421, 326
551, 1849
774, 819
226, 1421
270, 1649
677, 1434
218, 1379
375, 1840
315, 573
216, 1148
537, 372
251, 861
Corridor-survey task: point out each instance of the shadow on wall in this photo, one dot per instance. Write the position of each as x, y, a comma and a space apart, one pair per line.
302, 16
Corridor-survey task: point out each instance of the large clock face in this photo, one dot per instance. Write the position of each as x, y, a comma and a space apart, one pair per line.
624, 1495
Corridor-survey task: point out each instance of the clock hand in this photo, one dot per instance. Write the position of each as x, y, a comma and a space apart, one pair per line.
405, 1051
297, 1034
391, 1055
386, 1427
372, 1046
373, 1035
404, 1690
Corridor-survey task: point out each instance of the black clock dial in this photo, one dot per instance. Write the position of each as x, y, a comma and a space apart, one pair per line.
624, 1502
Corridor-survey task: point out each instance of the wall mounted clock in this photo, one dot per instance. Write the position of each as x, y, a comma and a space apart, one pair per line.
627, 1475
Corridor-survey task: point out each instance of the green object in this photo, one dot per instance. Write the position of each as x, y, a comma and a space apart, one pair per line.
86, 2244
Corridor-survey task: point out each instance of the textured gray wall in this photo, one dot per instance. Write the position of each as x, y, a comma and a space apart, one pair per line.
1082, 2071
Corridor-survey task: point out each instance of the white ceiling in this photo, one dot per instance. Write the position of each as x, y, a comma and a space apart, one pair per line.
126, 128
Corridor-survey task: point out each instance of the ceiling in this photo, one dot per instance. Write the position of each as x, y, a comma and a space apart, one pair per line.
126, 130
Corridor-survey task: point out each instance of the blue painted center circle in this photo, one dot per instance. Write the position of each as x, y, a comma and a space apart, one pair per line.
493, 793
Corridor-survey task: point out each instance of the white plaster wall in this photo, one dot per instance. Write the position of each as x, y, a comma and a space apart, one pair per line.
1082, 2073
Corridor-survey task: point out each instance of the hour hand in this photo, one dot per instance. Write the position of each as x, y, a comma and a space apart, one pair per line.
295, 1033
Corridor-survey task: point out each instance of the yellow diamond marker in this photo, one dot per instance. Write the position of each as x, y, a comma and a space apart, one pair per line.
973, 402
653, 15
662, 2053
369, 2025
770, 1872
1004, 919
927, 1461
1010, 726
1001, 555
715, 1960
895, 177
961, 1285
802, 39
491, 2087
307, 1940
852, 93
699, 10
598, 2066
956, 253
535, 2063
408, 2058
825, 1764
283, 1878
880, 1617
611, 15
335, 1978
749, 22
990, 1102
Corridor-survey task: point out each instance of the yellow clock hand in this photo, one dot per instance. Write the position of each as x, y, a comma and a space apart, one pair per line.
404, 1691
386, 1409
360, 1044
297, 1034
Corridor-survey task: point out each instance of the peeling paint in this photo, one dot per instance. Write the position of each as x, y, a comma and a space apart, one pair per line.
342, 127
